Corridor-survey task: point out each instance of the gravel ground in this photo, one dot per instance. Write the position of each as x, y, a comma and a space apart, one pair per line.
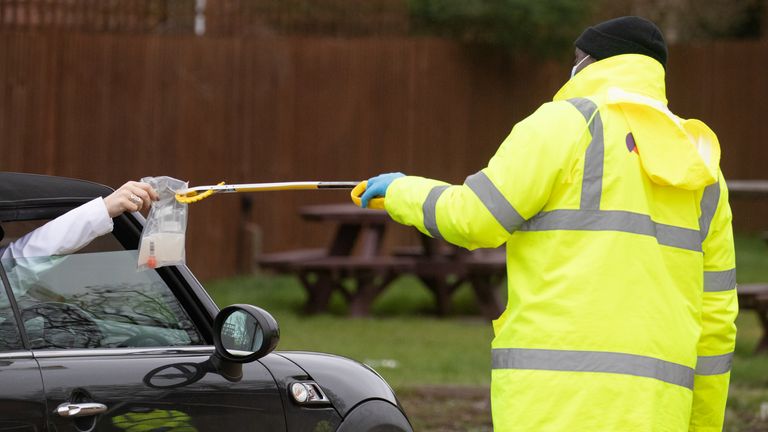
460, 409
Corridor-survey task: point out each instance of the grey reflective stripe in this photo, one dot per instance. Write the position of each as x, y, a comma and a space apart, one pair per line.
494, 201
593, 361
592, 183
719, 280
585, 106
614, 220
714, 365
592, 180
708, 207
429, 210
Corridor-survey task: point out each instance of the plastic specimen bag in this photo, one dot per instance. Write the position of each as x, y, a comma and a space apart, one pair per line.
162, 240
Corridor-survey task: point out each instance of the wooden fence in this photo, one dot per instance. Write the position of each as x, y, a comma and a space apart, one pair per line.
115, 107
723, 84
209, 17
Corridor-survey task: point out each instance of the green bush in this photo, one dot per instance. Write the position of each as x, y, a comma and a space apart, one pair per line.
542, 26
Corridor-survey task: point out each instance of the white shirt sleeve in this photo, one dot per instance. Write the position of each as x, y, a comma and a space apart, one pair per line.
65, 234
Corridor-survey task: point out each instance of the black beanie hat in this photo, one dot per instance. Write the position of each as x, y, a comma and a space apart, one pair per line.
625, 35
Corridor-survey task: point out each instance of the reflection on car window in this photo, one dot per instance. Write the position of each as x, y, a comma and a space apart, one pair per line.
96, 300
9, 333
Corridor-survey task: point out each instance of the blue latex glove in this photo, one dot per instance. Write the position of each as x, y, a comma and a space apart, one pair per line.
377, 186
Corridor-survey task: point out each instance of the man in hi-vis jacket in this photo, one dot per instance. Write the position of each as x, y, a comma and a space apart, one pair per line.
620, 258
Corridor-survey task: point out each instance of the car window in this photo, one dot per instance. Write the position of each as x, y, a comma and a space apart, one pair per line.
96, 300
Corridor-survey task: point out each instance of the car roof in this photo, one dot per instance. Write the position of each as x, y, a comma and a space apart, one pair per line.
26, 196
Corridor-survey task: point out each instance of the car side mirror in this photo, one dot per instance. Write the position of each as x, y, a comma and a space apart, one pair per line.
242, 333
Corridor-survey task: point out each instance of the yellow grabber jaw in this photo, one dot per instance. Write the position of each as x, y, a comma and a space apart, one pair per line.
199, 193
190, 196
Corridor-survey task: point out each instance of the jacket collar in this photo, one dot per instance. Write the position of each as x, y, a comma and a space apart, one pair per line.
633, 73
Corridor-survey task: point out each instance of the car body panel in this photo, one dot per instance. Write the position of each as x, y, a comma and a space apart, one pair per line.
299, 418
22, 399
345, 381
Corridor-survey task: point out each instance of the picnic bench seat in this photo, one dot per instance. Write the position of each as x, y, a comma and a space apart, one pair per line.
282, 261
755, 297
359, 279
362, 279
486, 272
416, 251
445, 267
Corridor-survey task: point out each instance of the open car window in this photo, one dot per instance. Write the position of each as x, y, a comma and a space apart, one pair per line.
96, 299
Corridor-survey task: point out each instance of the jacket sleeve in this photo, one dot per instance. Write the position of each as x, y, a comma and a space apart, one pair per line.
719, 310
494, 202
64, 235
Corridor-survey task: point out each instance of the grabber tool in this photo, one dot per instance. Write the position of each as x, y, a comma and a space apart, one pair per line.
199, 193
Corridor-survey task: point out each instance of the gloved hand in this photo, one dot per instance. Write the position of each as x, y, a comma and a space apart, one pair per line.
377, 187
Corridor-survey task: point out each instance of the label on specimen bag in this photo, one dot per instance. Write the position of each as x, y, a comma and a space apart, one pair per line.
161, 248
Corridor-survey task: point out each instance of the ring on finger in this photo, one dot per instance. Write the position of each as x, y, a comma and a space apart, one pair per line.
135, 198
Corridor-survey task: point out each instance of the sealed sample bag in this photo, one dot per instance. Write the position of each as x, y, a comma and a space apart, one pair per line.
162, 240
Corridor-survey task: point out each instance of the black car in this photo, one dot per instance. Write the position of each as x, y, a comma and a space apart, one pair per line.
87, 342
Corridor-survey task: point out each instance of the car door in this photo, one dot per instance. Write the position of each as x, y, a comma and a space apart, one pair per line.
118, 351
22, 401
144, 390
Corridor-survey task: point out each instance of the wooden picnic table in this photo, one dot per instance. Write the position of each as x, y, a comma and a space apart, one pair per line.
354, 265
353, 224
753, 296
351, 264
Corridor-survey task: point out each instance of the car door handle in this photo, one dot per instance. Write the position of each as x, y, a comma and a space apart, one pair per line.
80, 409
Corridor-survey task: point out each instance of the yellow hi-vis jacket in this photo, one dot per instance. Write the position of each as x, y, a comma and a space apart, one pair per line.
620, 259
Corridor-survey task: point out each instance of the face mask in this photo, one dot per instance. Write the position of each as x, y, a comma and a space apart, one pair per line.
573, 70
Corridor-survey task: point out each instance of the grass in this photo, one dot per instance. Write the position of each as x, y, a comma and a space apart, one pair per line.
413, 349
748, 396
405, 346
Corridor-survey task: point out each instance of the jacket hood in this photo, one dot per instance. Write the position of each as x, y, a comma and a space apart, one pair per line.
673, 151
